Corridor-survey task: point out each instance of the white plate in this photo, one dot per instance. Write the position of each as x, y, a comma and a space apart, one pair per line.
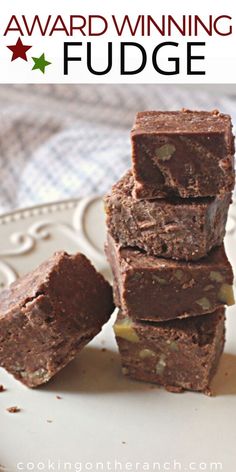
104, 421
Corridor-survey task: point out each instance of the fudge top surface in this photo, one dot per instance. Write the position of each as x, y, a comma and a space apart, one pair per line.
51, 274
133, 258
181, 122
122, 191
200, 328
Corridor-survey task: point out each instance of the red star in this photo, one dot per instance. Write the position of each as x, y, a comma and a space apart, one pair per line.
19, 50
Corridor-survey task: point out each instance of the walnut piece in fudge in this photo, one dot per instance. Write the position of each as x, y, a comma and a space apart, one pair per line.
183, 153
178, 354
184, 229
157, 289
49, 315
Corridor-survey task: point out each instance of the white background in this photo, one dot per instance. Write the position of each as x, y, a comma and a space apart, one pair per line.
220, 52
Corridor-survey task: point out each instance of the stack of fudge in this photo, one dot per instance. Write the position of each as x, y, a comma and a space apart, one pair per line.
166, 224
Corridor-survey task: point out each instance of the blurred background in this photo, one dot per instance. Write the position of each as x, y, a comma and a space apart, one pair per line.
62, 141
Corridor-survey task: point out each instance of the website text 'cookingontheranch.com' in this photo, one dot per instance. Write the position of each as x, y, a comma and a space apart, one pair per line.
120, 466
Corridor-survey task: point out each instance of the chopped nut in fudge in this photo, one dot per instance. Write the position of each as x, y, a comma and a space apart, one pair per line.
178, 354
182, 153
157, 289
182, 229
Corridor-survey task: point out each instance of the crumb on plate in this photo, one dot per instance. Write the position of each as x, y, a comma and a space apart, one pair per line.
13, 409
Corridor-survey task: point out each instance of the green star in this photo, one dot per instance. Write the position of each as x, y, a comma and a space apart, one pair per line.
40, 63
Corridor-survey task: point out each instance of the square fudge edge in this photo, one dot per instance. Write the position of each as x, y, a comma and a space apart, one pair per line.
155, 289
48, 315
178, 355
181, 229
183, 153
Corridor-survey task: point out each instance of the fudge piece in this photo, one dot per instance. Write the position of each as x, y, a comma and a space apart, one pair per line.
48, 316
176, 228
178, 354
157, 289
184, 153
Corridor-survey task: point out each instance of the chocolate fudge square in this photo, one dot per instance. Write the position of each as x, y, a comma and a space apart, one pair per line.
157, 289
179, 354
182, 229
182, 153
49, 315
